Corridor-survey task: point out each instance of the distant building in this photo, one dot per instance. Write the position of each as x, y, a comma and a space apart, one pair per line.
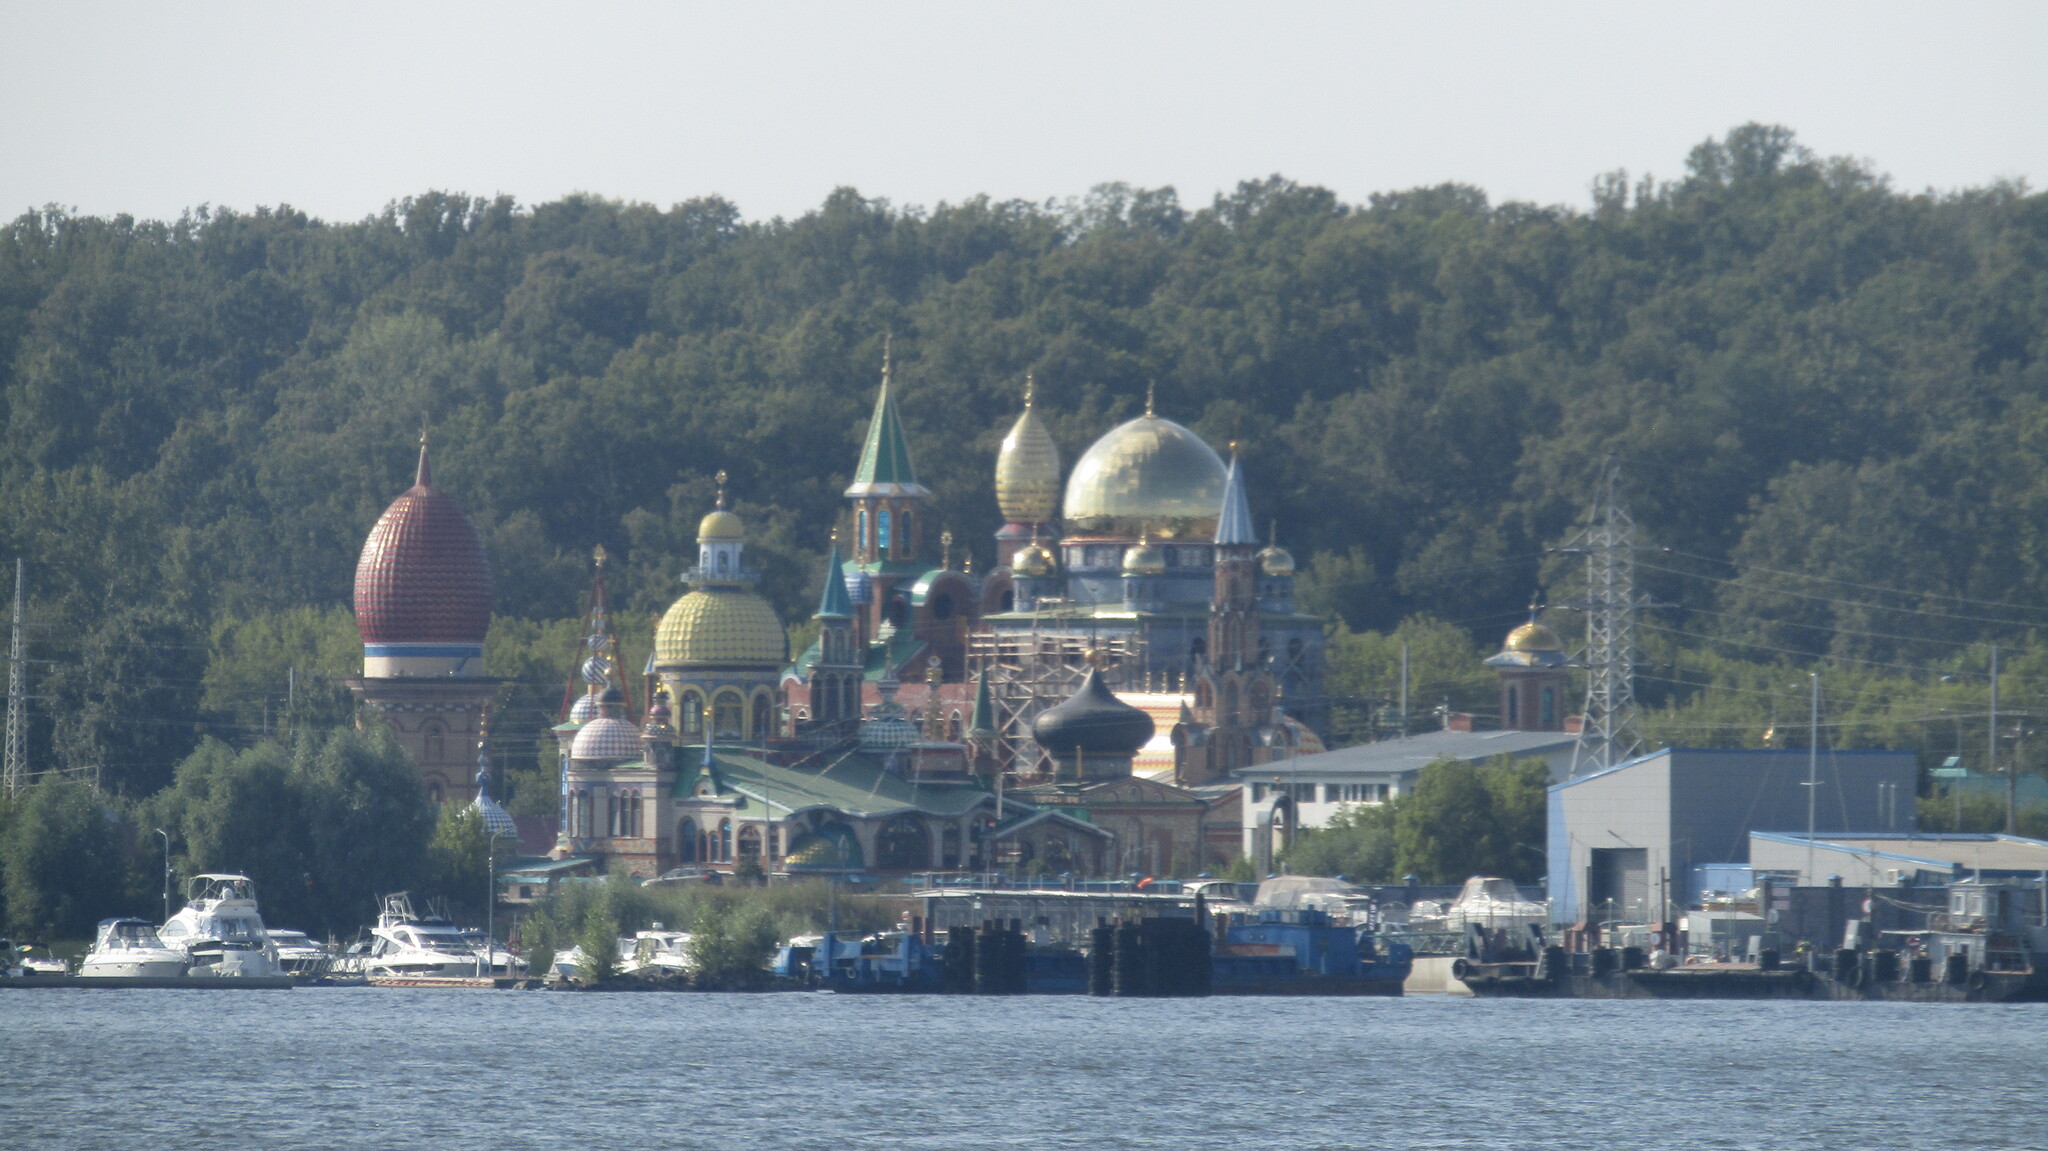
423, 607
1892, 860
1626, 840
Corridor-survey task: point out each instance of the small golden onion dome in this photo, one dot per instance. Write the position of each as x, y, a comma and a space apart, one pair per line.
1035, 560
1144, 560
720, 525
1028, 471
1533, 637
723, 626
1146, 474
1275, 560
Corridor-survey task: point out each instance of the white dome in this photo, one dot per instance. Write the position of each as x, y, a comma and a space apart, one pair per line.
584, 709
606, 739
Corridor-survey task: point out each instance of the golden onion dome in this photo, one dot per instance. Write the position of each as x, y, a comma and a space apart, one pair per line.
1149, 474
1145, 560
1028, 470
1275, 560
720, 525
1035, 560
723, 626
1533, 637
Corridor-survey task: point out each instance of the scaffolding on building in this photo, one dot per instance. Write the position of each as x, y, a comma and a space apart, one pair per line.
1029, 671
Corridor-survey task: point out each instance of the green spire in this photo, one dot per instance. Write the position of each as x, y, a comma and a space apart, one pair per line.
982, 724
885, 465
834, 603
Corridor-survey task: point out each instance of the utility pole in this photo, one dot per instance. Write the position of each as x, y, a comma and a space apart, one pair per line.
1404, 689
1991, 746
1812, 774
15, 772
1608, 733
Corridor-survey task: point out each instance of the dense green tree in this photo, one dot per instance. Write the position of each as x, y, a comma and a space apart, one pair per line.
63, 861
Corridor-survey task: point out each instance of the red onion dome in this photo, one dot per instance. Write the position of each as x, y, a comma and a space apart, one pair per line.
423, 577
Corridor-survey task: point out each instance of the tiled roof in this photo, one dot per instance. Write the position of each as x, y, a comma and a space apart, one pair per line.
854, 783
423, 576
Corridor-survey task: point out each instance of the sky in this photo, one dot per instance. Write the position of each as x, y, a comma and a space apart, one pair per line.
339, 109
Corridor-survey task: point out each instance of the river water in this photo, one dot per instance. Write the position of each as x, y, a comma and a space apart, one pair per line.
370, 1067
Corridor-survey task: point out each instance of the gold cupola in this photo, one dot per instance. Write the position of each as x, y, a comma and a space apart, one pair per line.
1146, 475
1028, 468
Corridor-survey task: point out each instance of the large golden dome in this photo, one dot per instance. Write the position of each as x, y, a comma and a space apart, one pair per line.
720, 625
1028, 470
1533, 637
1149, 474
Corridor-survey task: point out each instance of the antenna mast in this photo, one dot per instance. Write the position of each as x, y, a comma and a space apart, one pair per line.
1608, 734
16, 768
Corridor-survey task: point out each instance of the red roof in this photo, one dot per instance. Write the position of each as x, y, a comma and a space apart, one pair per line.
423, 577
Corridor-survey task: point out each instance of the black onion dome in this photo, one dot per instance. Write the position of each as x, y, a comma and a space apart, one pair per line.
1093, 721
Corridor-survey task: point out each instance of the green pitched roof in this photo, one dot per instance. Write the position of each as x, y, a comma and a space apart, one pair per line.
982, 724
834, 603
854, 782
885, 458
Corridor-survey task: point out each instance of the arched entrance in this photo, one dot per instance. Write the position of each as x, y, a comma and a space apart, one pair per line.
903, 844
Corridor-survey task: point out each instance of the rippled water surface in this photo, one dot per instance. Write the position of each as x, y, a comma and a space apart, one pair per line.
368, 1067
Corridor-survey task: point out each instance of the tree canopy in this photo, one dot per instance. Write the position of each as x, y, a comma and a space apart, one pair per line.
1826, 393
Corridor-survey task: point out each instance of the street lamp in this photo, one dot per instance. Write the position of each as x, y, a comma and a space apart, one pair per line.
167, 873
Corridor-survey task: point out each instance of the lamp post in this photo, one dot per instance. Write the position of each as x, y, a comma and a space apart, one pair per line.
167, 873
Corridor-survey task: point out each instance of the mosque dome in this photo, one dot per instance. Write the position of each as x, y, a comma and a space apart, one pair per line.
720, 525
1093, 722
1146, 474
606, 739
423, 576
1035, 560
1533, 638
720, 625
584, 709
1146, 559
1275, 560
1028, 470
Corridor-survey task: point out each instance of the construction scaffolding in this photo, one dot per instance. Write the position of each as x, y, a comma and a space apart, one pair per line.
1031, 671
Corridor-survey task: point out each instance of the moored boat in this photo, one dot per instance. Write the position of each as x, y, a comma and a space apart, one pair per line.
130, 949
220, 930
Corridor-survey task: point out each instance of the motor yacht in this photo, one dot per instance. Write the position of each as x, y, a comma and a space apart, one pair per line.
129, 948
303, 958
657, 953
220, 931
408, 945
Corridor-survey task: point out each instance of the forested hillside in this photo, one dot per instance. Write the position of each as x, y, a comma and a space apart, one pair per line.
1828, 397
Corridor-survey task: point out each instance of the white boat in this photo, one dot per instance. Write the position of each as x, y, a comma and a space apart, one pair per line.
30, 959
1485, 901
302, 957
406, 945
220, 931
657, 953
130, 949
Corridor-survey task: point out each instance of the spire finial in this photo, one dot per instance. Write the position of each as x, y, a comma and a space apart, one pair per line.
888, 342
1030, 390
1273, 533
598, 557
721, 489
1535, 605
946, 550
1151, 397
835, 535
425, 476
1233, 449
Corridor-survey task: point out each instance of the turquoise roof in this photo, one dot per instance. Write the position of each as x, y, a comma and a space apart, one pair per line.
852, 782
885, 465
834, 603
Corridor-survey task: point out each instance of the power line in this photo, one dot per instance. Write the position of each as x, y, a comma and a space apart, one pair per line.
1854, 584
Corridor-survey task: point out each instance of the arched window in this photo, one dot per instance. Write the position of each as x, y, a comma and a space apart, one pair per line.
750, 841
1514, 716
953, 728
686, 841
693, 713
434, 741
849, 692
728, 716
725, 841
434, 792
1549, 705
882, 532
1009, 600
762, 717
1228, 711
903, 844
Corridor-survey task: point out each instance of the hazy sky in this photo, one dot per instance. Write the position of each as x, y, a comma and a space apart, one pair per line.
336, 108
